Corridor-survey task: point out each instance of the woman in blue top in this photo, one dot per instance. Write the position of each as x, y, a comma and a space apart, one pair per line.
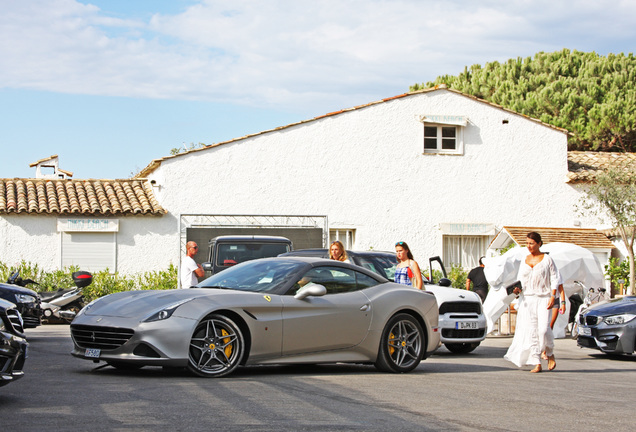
407, 271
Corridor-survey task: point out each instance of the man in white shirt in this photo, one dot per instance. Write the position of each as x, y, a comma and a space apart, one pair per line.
189, 268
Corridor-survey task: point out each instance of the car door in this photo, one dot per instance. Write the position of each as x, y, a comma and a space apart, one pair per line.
338, 320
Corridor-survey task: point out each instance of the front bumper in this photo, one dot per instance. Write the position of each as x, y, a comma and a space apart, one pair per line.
609, 339
13, 353
457, 327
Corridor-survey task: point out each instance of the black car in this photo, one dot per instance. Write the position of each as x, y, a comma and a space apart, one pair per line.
13, 345
27, 302
609, 326
382, 263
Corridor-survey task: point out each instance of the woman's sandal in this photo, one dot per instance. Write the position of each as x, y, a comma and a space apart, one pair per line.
536, 369
551, 362
544, 356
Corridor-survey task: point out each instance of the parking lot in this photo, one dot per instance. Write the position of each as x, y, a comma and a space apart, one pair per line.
478, 391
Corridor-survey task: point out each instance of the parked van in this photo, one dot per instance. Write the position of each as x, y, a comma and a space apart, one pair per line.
227, 251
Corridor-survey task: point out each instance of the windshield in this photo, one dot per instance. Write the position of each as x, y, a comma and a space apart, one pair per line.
259, 276
384, 265
230, 254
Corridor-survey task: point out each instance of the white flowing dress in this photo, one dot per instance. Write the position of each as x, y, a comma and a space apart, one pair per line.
533, 333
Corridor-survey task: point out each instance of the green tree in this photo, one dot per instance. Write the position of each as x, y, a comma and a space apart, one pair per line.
592, 96
613, 196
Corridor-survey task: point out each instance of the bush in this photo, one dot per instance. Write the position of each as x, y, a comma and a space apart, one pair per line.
458, 276
104, 282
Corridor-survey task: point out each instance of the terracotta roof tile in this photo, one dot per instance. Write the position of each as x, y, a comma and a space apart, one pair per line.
583, 166
584, 237
81, 197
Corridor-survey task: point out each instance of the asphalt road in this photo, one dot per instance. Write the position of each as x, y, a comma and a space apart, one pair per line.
479, 391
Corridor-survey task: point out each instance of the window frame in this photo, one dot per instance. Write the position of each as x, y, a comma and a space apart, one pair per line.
459, 139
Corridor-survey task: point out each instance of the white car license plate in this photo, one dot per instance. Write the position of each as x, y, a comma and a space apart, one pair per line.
92, 352
585, 331
461, 325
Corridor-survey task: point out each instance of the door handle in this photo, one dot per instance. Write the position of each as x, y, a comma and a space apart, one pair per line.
364, 308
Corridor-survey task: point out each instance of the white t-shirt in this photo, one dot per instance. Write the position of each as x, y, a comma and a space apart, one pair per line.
188, 278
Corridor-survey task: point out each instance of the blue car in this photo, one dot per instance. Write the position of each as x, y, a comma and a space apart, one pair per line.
609, 326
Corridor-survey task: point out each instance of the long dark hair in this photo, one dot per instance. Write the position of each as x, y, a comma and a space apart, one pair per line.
536, 237
403, 245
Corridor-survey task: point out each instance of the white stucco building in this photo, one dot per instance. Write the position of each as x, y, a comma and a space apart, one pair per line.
436, 168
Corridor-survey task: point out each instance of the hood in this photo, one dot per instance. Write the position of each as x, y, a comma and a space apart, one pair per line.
15, 289
138, 304
614, 307
447, 294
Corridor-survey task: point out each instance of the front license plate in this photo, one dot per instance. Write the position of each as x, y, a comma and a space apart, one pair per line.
461, 325
585, 331
92, 352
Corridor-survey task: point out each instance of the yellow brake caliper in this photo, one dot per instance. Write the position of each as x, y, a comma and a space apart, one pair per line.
391, 349
228, 349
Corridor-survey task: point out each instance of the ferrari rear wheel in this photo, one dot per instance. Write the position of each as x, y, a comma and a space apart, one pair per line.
216, 347
401, 346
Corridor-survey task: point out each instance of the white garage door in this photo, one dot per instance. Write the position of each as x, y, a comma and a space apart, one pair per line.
90, 251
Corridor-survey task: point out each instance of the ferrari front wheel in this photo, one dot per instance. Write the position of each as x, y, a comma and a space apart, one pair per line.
401, 346
216, 347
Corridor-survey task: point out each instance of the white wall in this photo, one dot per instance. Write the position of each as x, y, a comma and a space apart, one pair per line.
365, 168
144, 243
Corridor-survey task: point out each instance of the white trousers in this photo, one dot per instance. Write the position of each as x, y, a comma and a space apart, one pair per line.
533, 333
541, 337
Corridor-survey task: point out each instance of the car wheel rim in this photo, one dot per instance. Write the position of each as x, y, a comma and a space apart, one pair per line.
404, 344
213, 348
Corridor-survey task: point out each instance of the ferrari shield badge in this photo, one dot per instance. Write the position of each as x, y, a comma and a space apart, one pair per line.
268, 298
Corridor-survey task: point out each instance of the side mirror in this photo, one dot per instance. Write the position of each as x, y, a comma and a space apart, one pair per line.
445, 282
207, 266
311, 289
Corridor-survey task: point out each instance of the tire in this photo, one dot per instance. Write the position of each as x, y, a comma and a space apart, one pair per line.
461, 348
402, 345
216, 347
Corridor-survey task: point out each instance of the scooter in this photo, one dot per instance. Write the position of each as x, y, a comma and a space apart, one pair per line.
63, 304
593, 296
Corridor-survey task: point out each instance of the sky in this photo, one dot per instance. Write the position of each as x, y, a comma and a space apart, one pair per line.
110, 85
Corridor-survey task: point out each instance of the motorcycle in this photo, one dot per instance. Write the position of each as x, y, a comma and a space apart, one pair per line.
593, 296
63, 304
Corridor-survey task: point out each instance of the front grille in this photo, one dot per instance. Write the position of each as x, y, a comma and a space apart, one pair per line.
104, 338
590, 320
587, 342
460, 306
16, 322
462, 334
31, 322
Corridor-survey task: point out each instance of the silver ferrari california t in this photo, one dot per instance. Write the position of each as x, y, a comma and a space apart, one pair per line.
266, 311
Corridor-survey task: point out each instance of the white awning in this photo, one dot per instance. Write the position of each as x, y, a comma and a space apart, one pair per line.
444, 119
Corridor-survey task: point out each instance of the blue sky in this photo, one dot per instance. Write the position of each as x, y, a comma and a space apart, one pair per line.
109, 85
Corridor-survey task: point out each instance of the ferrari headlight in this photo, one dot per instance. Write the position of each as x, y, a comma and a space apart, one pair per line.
619, 319
25, 298
165, 312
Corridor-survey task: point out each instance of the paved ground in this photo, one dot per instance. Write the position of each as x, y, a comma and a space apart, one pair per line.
478, 391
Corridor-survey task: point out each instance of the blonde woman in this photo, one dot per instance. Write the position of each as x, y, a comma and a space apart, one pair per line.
407, 271
337, 252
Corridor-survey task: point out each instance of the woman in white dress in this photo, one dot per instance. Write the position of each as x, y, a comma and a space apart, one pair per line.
533, 335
